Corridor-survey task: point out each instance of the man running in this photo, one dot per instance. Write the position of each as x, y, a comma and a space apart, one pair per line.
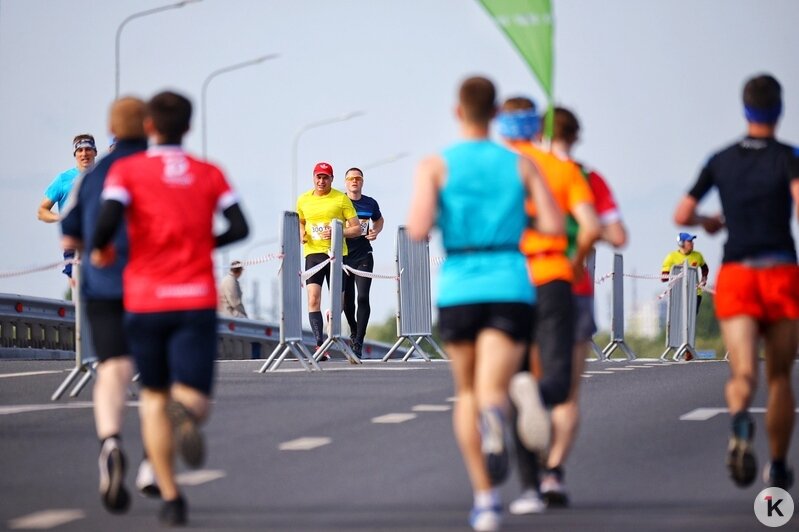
360, 257
757, 290
85, 152
552, 261
317, 208
101, 293
485, 298
566, 415
169, 199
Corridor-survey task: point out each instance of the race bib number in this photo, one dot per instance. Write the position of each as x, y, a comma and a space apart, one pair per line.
317, 230
364, 227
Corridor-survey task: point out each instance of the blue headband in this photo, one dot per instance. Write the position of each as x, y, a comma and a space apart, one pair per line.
519, 125
763, 116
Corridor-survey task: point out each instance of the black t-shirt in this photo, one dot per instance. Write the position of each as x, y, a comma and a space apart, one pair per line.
367, 209
753, 178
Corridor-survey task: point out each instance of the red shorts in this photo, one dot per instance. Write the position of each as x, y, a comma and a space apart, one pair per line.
765, 294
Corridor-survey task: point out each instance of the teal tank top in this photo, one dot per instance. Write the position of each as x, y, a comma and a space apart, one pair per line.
481, 216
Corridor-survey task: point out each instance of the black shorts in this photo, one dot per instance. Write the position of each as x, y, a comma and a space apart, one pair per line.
322, 275
170, 347
584, 324
464, 322
106, 322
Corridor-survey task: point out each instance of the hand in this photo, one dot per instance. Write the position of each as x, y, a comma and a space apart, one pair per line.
327, 233
712, 224
703, 282
103, 257
371, 235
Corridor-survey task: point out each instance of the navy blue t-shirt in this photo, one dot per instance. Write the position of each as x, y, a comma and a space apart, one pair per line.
367, 209
753, 177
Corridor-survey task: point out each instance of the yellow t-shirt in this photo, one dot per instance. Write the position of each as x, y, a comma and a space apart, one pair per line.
676, 257
547, 254
317, 212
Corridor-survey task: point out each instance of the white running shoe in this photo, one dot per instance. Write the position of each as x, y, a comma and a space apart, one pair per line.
145, 480
485, 519
529, 502
533, 423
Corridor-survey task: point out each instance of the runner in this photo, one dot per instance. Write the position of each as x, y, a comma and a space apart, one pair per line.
552, 262
101, 293
317, 208
487, 327
757, 291
566, 416
84, 151
360, 258
169, 199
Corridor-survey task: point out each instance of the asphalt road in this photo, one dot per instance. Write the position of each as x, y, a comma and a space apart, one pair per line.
636, 465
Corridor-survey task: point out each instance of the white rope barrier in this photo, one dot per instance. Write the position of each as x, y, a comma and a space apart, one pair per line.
370, 275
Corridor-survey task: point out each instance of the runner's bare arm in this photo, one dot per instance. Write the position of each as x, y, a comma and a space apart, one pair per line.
614, 234
588, 233
427, 183
685, 214
303, 238
549, 217
352, 228
795, 194
45, 213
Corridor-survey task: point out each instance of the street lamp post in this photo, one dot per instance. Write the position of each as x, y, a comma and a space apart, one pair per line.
386, 160
134, 16
294, 146
216, 73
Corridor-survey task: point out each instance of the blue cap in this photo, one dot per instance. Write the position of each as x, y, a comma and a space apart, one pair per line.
683, 237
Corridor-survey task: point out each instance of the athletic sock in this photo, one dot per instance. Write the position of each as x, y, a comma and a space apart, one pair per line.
741, 425
317, 326
487, 498
114, 436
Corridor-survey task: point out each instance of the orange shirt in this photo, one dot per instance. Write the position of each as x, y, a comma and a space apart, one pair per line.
547, 254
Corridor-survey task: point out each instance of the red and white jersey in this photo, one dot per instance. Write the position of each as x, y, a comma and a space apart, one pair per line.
608, 212
171, 199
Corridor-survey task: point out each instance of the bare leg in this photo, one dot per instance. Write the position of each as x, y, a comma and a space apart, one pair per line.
110, 391
566, 416
782, 339
196, 401
157, 436
498, 359
740, 337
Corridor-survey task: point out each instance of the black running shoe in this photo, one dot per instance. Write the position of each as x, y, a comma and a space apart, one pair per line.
741, 461
778, 476
494, 437
173, 513
188, 438
112, 477
357, 348
553, 489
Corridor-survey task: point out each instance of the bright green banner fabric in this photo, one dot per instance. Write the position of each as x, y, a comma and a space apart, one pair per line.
528, 24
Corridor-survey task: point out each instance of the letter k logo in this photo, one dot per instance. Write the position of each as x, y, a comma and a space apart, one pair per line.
774, 506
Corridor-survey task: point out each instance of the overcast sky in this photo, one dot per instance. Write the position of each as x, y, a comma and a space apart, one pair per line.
656, 85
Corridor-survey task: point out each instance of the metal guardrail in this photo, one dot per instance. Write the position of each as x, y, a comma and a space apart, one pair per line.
44, 329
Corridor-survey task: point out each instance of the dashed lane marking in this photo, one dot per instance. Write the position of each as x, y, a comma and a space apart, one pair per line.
45, 519
431, 408
393, 418
703, 414
621, 369
304, 444
24, 409
587, 376
203, 476
599, 372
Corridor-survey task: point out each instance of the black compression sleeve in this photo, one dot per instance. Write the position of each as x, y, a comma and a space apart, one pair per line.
108, 221
237, 229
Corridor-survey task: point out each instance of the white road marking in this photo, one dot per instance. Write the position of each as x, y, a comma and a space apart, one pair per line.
304, 444
24, 409
599, 372
431, 408
452, 399
703, 414
586, 376
393, 418
621, 369
195, 478
640, 367
45, 519
29, 373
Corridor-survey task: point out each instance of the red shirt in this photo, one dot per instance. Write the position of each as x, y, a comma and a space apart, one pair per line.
171, 198
607, 211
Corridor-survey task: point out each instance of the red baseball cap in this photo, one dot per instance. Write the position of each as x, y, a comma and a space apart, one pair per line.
322, 168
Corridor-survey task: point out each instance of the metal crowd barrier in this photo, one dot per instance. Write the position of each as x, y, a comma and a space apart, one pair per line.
681, 314
617, 312
414, 305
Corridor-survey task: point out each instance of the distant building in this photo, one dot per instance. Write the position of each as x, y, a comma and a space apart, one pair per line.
647, 319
